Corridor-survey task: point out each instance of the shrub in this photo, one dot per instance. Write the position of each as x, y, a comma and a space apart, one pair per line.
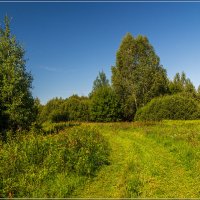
77, 108
74, 108
51, 128
34, 162
105, 106
169, 107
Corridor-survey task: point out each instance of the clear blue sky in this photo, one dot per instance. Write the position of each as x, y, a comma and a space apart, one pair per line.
67, 44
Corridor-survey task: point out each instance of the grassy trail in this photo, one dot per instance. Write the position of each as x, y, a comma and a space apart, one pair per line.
140, 167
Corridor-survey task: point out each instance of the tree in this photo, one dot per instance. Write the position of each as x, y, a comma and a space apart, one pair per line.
105, 105
99, 82
181, 84
138, 76
17, 104
53, 111
74, 108
198, 92
77, 108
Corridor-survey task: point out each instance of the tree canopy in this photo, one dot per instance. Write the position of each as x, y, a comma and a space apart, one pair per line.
17, 108
181, 84
100, 81
138, 76
105, 105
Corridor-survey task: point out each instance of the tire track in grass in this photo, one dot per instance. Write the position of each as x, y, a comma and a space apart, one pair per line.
162, 174
110, 180
139, 167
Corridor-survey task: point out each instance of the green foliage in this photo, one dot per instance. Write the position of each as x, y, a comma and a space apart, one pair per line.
198, 92
74, 108
100, 81
148, 160
51, 128
53, 111
138, 76
50, 166
181, 84
17, 109
105, 106
169, 107
77, 108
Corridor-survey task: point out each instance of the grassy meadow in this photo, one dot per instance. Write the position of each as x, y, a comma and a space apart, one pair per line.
118, 160
121, 140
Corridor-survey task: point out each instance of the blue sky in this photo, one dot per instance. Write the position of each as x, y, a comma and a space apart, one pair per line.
67, 44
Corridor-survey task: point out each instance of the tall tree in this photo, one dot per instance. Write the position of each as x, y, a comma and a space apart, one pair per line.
138, 76
100, 81
181, 83
17, 104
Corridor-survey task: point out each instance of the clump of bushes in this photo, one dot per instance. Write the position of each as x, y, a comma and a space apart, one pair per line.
105, 106
178, 106
51, 128
42, 166
57, 110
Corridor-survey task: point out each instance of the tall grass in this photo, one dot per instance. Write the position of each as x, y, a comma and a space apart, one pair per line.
50, 166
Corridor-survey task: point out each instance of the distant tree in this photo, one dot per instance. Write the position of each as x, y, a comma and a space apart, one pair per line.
17, 104
105, 105
138, 76
53, 111
77, 108
99, 82
181, 84
74, 108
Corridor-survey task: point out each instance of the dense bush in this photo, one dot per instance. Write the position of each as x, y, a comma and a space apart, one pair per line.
77, 108
105, 105
51, 128
31, 166
74, 108
169, 107
53, 111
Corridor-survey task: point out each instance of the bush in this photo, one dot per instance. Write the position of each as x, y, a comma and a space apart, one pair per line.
74, 108
77, 108
32, 163
51, 128
169, 107
105, 106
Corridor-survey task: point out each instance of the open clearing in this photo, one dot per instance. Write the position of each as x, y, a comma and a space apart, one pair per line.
155, 160
146, 160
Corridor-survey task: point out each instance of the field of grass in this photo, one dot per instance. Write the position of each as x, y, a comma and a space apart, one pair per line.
147, 160
154, 161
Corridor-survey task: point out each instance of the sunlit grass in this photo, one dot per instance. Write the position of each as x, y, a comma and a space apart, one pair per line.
146, 160
153, 160
53, 165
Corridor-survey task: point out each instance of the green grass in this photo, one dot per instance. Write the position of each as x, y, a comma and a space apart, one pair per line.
146, 160
50, 166
150, 161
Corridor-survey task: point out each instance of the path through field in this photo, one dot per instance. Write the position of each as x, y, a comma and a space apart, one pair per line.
141, 167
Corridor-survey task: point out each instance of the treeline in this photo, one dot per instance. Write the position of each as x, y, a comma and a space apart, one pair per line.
104, 105
137, 78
